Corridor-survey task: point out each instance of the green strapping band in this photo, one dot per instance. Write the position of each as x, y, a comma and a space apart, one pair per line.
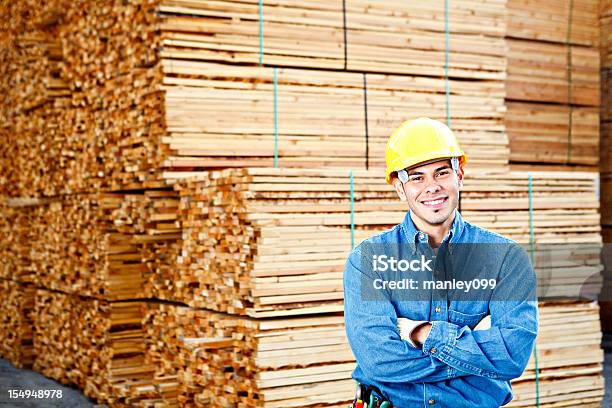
446, 58
352, 198
532, 254
275, 119
569, 81
260, 32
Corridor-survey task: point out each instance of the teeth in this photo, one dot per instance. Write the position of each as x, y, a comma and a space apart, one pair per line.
435, 202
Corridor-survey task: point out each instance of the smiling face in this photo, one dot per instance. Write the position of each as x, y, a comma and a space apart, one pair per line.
432, 192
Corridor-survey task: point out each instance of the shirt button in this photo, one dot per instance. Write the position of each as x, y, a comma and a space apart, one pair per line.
432, 401
421, 236
433, 350
438, 309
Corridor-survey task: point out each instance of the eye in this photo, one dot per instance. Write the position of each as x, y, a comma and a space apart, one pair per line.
415, 179
443, 173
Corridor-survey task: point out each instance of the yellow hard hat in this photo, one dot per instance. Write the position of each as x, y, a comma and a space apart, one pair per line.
418, 141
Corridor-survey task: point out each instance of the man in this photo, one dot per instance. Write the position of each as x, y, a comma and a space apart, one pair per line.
425, 336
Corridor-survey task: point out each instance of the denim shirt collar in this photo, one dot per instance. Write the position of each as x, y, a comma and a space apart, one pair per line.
415, 236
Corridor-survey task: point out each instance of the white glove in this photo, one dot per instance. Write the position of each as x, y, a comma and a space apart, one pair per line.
407, 326
484, 324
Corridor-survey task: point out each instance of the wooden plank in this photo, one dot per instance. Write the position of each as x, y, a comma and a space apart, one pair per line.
568, 372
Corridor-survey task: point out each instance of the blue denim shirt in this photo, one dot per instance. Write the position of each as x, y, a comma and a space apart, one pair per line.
457, 365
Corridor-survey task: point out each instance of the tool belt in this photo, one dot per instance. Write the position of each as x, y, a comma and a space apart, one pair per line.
369, 396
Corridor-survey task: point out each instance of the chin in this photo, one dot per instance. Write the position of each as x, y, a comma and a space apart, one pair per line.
435, 218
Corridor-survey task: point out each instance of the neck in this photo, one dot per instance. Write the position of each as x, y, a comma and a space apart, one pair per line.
435, 232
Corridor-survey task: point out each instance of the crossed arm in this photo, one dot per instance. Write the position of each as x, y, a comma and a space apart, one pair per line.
449, 351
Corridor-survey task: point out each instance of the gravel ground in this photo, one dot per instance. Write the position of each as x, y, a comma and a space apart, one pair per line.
12, 378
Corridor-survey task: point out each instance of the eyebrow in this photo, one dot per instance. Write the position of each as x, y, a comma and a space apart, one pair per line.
435, 171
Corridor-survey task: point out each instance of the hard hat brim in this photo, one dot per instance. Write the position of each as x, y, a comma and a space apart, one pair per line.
422, 161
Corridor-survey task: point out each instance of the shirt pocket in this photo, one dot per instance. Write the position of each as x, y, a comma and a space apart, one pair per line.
465, 319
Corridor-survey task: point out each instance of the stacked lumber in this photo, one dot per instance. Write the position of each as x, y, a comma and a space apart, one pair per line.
606, 159
605, 21
31, 53
28, 90
82, 244
236, 105
273, 242
16, 222
547, 128
87, 244
161, 95
569, 358
107, 42
102, 108
226, 360
538, 72
95, 345
383, 37
161, 349
606, 112
606, 123
162, 246
242, 99
63, 145
541, 21
306, 33
606, 109
242, 107
553, 75
44, 145
34, 99
110, 56
38, 146
379, 36
16, 323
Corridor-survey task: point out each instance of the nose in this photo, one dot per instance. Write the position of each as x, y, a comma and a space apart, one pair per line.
432, 187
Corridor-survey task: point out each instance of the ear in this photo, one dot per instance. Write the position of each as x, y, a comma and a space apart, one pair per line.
399, 189
460, 177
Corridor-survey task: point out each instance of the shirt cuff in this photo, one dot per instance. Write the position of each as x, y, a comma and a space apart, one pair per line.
441, 336
406, 327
